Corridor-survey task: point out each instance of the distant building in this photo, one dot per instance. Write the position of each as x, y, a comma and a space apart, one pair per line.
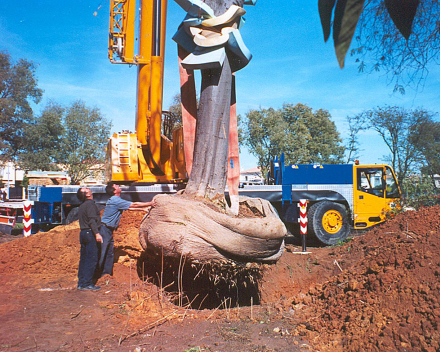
10, 175
48, 178
251, 177
97, 178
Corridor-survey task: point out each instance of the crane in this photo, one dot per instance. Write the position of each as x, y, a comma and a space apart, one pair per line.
147, 155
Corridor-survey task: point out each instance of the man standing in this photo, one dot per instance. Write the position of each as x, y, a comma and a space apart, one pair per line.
110, 221
89, 223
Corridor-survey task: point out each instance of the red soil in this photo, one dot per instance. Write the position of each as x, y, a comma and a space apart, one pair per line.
377, 292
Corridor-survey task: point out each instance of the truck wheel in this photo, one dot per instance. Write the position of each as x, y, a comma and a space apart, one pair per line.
328, 222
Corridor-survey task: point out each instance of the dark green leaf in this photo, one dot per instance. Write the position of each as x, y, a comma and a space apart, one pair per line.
402, 12
325, 13
347, 14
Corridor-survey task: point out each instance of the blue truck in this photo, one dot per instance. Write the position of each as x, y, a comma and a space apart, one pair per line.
339, 197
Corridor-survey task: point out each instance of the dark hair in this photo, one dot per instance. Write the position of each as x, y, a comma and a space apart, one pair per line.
81, 194
109, 189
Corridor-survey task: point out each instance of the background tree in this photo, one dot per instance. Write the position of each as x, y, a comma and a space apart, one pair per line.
302, 135
18, 87
173, 117
323, 143
379, 45
426, 139
84, 140
43, 139
396, 125
352, 146
263, 132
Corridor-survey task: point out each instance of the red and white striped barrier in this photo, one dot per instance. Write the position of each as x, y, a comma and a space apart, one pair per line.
27, 221
303, 221
303, 216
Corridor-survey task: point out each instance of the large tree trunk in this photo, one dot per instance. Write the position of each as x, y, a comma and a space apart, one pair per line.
209, 171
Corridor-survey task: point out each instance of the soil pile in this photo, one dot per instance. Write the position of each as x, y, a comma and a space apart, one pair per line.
56, 252
379, 291
389, 300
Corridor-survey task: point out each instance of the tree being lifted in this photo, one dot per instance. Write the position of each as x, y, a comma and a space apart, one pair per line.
197, 225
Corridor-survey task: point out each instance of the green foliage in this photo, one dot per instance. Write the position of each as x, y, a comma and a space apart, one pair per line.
380, 46
43, 139
303, 135
418, 191
396, 126
346, 16
426, 139
71, 139
18, 87
352, 142
25, 182
343, 15
172, 118
83, 143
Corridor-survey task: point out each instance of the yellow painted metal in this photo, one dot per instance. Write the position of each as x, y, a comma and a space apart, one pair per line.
122, 161
122, 25
150, 82
152, 158
332, 221
371, 206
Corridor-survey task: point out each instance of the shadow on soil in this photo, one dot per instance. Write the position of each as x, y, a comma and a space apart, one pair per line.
202, 286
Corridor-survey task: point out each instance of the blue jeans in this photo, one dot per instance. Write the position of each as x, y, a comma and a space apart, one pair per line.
88, 259
106, 257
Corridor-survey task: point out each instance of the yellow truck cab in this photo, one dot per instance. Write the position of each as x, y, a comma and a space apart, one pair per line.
375, 193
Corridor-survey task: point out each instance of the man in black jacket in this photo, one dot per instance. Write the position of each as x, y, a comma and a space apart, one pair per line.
89, 236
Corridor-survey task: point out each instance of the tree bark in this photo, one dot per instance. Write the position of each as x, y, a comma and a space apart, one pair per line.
209, 171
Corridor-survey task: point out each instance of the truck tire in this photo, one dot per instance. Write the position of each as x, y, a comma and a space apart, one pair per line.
328, 222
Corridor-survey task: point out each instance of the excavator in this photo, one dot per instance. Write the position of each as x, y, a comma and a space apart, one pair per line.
146, 156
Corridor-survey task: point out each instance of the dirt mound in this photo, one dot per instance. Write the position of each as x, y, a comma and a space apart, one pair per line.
56, 252
378, 292
389, 300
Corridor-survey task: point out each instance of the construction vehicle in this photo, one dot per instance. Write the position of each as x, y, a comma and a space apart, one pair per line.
340, 197
146, 156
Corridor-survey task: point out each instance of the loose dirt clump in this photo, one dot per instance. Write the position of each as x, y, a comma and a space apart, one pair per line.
377, 292
389, 300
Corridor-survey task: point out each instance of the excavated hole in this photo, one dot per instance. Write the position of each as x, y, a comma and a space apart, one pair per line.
202, 286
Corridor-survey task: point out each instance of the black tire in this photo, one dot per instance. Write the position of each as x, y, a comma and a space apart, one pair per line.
328, 222
72, 216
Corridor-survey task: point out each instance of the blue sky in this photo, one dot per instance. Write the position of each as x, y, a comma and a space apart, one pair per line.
291, 64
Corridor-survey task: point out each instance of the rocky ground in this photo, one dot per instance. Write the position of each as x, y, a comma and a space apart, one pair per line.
377, 292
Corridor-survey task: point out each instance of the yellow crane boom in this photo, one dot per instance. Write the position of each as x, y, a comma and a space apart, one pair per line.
146, 156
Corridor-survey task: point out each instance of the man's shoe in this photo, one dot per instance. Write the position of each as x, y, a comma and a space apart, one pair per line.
89, 288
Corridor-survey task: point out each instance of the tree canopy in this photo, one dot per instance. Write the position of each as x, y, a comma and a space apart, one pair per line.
380, 47
18, 88
426, 139
398, 37
83, 143
303, 135
172, 117
43, 140
71, 139
342, 16
402, 131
